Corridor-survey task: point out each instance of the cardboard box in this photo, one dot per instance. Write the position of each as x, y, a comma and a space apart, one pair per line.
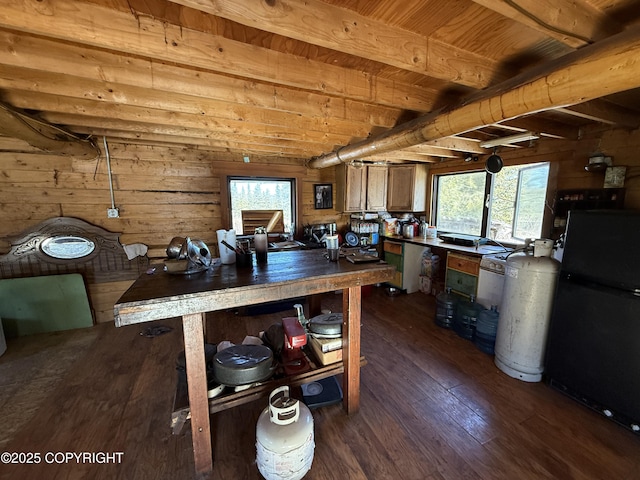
328, 344
325, 358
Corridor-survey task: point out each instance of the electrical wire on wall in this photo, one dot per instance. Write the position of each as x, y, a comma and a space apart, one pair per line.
113, 211
48, 132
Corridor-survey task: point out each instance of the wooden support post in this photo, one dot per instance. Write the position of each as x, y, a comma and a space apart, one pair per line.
351, 307
193, 328
315, 304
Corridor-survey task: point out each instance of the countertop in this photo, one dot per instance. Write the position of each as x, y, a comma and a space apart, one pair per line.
436, 242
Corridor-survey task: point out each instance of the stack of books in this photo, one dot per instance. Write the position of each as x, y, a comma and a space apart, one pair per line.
326, 350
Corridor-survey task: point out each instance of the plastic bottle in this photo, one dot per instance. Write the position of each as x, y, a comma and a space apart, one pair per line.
261, 243
426, 264
466, 318
486, 329
446, 303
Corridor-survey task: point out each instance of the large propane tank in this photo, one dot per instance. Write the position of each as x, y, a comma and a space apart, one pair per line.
530, 281
284, 438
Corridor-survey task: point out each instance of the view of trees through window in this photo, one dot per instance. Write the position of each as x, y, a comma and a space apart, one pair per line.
514, 209
261, 194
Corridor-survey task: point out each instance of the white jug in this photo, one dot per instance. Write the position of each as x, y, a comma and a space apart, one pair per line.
227, 256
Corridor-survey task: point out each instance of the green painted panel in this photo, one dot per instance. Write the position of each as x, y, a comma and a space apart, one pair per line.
462, 283
393, 259
44, 304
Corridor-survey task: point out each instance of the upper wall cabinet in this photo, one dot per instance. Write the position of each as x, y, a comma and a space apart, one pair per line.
376, 187
407, 191
360, 189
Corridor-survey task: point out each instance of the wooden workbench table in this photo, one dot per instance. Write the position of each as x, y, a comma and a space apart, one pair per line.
287, 275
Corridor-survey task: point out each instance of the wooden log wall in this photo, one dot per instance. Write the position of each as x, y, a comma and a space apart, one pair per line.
163, 192
160, 192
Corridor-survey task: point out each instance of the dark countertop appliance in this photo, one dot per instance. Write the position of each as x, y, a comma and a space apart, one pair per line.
593, 346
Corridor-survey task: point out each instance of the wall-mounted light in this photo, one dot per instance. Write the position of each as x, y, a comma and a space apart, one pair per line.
518, 137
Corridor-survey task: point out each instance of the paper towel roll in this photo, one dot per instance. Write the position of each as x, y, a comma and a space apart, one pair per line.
227, 256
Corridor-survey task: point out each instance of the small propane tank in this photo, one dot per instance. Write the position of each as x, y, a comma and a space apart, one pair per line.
521, 337
446, 303
284, 438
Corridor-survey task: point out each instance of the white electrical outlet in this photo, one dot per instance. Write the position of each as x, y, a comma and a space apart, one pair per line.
112, 213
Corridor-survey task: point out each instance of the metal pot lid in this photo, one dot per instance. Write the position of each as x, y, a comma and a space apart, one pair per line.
494, 164
243, 364
327, 324
198, 252
352, 239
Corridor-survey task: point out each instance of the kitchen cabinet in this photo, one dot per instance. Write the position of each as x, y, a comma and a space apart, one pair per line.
376, 187
407, 188
407, 258
584, 199
462, 273
361, 188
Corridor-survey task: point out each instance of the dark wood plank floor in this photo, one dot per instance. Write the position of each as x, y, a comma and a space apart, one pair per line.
432, 407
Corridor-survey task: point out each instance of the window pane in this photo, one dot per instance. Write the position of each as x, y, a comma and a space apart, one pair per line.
460, 202
530, 201
261, 194
518, 197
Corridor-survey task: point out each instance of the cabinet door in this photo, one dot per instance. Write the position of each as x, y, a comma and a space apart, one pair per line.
400, 194
396, 261
462, 273
461, 283
376, 188
393, 256
351, 188
407, 189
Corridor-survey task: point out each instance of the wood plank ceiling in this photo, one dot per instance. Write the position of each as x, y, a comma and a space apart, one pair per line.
298, 78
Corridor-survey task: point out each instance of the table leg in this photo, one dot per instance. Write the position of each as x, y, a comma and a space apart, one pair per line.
351, 305
192, 326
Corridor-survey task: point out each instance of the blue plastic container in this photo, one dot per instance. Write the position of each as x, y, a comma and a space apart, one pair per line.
486, 329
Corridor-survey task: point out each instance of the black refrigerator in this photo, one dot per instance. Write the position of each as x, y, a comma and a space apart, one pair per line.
593, 344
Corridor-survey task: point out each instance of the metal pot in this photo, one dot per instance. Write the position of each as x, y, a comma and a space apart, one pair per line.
494, 164
408, 230
243, 365
328, 324
175, 246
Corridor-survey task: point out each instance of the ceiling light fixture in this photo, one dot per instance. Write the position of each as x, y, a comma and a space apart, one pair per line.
519, 137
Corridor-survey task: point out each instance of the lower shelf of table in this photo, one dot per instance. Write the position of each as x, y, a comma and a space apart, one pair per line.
181, 413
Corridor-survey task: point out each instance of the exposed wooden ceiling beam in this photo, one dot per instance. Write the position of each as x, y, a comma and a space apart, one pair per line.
604, 112
607, 67
574, 22
74, 111
546, 127
71, 87
178, 130
401, 156
39, 134
152, 138
450, 143
318, 23
142, 36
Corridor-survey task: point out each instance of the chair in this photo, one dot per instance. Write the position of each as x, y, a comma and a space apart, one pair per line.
272, 219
